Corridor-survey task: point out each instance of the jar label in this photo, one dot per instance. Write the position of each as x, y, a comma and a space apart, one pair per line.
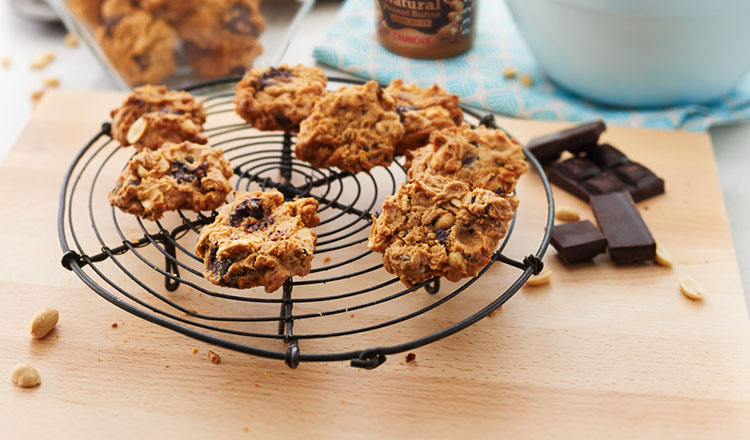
424, 22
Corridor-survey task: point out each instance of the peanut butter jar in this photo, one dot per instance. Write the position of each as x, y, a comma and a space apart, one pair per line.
426, 28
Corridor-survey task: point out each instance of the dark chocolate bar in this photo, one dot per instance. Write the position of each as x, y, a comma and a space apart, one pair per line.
576, 140
628, 237
577, 241
604, 170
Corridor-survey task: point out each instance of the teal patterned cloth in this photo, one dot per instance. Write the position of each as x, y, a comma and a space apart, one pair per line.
476, 76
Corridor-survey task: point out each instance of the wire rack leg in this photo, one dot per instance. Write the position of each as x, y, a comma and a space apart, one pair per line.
286, 326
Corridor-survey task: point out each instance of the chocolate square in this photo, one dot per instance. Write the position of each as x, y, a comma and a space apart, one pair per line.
642, 182
577, 241
606, 156
604, 183
578, 169
577, 139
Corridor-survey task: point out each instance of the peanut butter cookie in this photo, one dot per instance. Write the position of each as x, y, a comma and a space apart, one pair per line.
221, 37
423, 111
279, 98
354, 128
480, 157
259, 240
439, 227
151, 115
139, 46
176, 176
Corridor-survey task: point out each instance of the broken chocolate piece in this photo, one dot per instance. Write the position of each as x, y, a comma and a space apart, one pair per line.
577, 241
604, 183
578, 168
628, 237
607, 156
641, 181
570, 185
247, 208
577, 139
273, 75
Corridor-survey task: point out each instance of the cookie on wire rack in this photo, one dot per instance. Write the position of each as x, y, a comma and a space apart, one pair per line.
175, 176
259, 240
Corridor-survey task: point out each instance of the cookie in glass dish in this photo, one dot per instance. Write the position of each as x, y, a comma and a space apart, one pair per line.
152, 115
279, 98
139, 46
436, 227
221, 37
175, 176
480, 157
423, 111
354, 128
259, 240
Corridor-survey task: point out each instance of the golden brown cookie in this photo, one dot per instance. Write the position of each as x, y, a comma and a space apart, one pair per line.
422, 112
354, 128
170, 11
176, 176
139, 46
220, 37
481, 157
259, 240
438, 227
151, 115
279, 98
86, 10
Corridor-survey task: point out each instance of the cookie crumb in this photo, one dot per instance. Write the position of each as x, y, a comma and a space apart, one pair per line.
195, 350
43, 61
509, 72
124, 341
36, 96
98, 359
246, 429
213, 357
411, 357
402, 363
526, 80
327, 259
257, 385
166, 366
6, 62
71, 40
494, 312
51, 82
114, 325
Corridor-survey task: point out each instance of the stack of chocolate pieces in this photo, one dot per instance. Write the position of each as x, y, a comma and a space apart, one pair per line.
607, 179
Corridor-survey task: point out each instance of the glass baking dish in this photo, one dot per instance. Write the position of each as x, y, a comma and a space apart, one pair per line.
181, 42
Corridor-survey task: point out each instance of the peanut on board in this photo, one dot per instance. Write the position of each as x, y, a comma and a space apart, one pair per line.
25, 376
43, 322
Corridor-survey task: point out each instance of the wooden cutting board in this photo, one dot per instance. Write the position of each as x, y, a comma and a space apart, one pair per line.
600, 351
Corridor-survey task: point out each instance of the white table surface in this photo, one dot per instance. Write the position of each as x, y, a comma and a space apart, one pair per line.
23, 41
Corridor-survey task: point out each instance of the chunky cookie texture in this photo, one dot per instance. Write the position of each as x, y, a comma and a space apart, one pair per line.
221, 37
170, 10
279, 98
439, 227
140, 46
176, 176
151, 115
422, 111
259, 240
354, 128
481, 157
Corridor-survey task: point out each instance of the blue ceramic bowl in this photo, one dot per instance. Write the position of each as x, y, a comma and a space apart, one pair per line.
639, 52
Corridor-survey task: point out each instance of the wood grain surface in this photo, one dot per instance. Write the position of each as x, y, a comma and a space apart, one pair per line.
601, 351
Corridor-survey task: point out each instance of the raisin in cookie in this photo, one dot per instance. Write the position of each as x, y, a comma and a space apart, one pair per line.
423, 111
176, 176
279, 98
259, 240
138, 45
221, 37
354, 128
481, 157
151, 116
439, 227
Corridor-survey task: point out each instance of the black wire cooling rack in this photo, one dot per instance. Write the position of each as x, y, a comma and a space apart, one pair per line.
126, 271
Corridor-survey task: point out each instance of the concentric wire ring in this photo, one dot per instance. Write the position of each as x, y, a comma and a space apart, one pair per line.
122, 269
